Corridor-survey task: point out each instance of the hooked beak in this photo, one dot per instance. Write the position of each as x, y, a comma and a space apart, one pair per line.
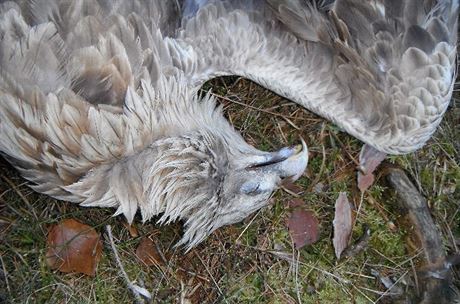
289, 162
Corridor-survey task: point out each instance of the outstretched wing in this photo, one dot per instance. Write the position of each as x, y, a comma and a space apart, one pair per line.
382, 70
397, 58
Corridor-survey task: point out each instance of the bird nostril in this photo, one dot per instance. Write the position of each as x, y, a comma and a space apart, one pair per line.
271, 161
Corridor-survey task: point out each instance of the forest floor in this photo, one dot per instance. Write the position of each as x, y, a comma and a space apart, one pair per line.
253, 261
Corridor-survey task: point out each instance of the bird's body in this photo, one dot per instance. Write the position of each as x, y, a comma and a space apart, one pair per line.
98, 98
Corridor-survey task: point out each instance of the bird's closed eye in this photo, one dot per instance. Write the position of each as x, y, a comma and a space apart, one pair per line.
251, 188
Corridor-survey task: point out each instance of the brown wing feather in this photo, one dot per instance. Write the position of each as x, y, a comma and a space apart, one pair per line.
397, 58
66, 67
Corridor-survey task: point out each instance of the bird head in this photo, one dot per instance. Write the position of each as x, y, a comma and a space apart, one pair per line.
222, 180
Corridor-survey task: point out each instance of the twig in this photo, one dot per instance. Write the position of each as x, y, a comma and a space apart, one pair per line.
138, 291
360, 244
24, 199
323, 160
46, 287
289, 257
387, 292
212, 277
419, 214
345, 149
435, 289
297, 289
247, 226
259, 109
5, 274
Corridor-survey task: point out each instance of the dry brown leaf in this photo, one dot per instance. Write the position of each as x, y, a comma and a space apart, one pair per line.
292, 188
148, 253
365, 181
73, 247
343, 224
303, 227
131, 229
369, 159
296, 202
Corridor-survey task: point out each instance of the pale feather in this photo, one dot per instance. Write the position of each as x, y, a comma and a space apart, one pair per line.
98, 99
363, 65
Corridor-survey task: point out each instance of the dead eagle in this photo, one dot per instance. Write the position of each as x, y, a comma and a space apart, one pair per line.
99, 107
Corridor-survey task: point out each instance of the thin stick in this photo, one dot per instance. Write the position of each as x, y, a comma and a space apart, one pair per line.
345, 149
134, 288
323, 160
24, 199
247, 226
299, 298
5, 273
387, 292
259, 109
212, 277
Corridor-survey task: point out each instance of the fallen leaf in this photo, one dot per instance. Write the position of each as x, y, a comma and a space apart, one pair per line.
131, 229
148, 253
73, 247
342, 224
369, 159
296, 202
365, 181
303, 227
291, 188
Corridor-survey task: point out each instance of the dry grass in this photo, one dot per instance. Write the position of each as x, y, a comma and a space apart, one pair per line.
254, 261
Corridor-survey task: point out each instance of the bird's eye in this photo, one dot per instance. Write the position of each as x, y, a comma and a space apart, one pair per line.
251, 188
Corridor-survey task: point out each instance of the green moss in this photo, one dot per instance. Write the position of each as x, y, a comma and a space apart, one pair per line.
249, 290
